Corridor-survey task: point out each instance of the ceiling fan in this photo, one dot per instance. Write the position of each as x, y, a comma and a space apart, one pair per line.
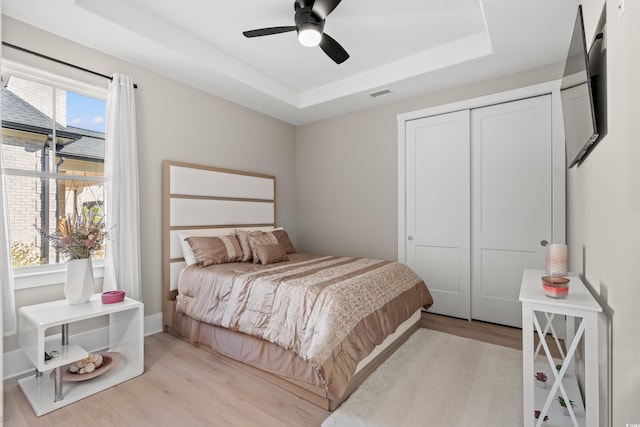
309, 17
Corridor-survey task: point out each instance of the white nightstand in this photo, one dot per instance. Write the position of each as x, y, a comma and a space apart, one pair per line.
125, 337
579, 306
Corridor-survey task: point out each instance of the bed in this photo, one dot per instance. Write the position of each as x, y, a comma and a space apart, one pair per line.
234, 284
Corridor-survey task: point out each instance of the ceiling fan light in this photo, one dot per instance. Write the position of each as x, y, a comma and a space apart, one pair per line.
309, 36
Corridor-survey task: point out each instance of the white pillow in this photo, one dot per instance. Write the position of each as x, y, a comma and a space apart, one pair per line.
187, 252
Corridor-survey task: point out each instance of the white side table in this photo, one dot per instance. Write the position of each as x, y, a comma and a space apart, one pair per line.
126, 327
580, 307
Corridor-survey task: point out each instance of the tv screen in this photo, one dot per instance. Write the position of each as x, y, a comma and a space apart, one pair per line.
577, 99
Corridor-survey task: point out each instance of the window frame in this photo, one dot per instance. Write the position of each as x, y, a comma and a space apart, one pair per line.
50, 274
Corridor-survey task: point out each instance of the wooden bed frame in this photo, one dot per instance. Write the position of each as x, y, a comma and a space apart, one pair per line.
200, 198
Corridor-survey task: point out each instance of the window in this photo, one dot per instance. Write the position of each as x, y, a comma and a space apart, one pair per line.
53, 141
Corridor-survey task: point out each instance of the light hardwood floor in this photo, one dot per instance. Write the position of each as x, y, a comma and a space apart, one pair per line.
186, 386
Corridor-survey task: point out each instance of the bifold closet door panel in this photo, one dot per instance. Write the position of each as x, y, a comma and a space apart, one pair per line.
511, 203
438, 208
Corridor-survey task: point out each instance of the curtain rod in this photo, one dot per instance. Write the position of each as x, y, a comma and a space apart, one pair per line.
40, 55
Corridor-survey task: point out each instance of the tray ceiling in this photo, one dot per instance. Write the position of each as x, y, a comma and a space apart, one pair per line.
410, 47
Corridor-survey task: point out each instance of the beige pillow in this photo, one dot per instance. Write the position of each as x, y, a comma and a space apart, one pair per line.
270, 254
243, 238
258, 238
210, 250
187, 252
283, 239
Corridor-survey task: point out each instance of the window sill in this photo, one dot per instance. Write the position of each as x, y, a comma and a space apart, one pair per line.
34, 277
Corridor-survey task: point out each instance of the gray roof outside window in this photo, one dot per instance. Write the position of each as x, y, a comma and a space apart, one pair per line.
18, 114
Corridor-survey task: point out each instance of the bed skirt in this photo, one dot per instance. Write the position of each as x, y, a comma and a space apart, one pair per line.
251, 351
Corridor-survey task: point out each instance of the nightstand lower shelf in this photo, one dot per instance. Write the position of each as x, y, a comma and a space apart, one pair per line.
39, 390
557, 418
125, 336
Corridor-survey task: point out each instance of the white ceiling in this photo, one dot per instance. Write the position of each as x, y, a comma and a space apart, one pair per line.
411, 47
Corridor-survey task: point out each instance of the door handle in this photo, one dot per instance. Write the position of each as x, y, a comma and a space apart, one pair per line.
544, 243
410, 237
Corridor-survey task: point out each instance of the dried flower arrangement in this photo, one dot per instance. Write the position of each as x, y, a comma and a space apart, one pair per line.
78, 239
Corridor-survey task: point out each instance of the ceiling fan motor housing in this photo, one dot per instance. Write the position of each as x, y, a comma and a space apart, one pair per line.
306, 19
300, 4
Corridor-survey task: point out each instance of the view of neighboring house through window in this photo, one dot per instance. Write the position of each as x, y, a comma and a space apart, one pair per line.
53, 152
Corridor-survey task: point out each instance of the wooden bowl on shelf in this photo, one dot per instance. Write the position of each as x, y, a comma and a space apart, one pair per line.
555, 286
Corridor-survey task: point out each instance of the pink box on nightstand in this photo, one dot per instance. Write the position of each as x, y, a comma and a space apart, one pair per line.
110, 297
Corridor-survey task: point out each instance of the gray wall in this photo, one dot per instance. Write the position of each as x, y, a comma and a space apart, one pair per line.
604, 215
174, 122
347, 171
343, 172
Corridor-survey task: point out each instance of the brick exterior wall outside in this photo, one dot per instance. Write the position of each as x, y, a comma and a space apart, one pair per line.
40, 97
24, 193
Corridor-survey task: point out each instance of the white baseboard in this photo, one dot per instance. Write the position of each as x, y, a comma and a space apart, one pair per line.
16, 364
152, 324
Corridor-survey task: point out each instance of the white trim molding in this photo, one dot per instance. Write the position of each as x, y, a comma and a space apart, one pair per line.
44, 275
558, 153
51, 79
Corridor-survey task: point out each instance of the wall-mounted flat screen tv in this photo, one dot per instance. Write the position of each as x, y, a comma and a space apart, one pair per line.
577, 98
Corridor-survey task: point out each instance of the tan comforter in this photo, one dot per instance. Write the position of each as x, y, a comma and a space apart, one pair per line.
331, 311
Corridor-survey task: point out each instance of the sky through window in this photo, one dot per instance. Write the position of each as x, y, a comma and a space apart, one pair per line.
85, 112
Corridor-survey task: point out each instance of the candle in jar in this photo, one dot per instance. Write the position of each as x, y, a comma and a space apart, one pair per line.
556, 262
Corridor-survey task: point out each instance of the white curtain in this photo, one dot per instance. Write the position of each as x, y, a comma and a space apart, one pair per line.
122, 260
9, 325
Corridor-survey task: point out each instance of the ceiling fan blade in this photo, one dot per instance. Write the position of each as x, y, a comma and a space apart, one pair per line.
333, 49
324, 7
268, 31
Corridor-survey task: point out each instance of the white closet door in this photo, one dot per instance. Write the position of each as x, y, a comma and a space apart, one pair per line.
511, 203
438, 208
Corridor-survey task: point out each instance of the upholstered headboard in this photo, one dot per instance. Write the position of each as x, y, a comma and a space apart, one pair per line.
202, 200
